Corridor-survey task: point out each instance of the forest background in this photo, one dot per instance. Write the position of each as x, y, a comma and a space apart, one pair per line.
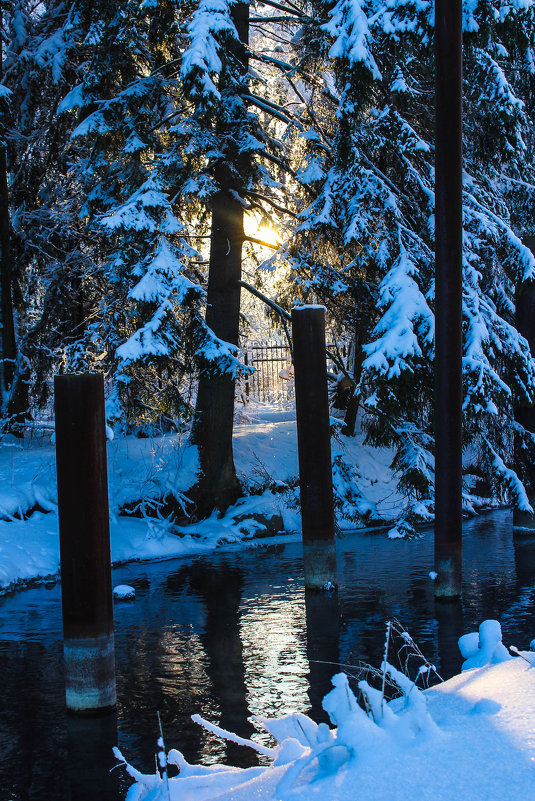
151, 150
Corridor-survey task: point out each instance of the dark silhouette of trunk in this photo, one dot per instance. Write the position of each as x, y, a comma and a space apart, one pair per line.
221, 589
358, 357
322, 612
13, 384
448, 298
219, 486
9, 350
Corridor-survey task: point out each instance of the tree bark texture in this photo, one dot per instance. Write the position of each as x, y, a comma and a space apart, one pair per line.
218, 486
8, 354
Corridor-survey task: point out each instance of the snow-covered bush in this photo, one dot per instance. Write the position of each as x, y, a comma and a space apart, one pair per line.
381, 748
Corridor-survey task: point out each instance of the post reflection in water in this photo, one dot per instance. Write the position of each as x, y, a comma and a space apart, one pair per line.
220, 589
160, 666
90, 759
524, 625
449, 615
323, 647
524, 548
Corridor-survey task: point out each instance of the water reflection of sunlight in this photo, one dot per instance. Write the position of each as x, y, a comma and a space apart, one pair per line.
182, 658
184, 671
273, 632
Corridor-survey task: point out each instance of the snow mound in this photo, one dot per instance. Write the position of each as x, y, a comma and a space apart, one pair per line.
123, 592
483, 648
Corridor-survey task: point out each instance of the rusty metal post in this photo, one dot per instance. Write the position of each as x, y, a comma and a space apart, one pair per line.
448, 298
524, 522
314, 445
84, 543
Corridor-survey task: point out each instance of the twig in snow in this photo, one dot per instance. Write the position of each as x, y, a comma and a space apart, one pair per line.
162, 760
234, 738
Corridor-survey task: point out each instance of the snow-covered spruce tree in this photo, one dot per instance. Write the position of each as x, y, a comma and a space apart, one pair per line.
368, 237
89, 80
51, 248
36, 70
143, 294
499, 157
166, 153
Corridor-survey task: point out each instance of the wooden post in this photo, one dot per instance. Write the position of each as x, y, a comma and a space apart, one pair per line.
84, 543
448, 298
524, 522
314, 445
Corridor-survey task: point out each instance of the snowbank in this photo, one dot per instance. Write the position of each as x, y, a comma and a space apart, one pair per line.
472, 737
140, 471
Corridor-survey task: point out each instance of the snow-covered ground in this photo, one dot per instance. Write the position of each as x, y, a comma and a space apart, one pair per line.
472, 737
140, 470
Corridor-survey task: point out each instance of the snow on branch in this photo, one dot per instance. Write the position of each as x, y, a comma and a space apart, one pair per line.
234, 738
525, 260
163, 275
508, 476
349, 24
216, 355
147, 209
407, 319
201, 61
151, 339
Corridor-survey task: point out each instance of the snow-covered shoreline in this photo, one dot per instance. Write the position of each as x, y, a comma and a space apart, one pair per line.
469, 737
142, 471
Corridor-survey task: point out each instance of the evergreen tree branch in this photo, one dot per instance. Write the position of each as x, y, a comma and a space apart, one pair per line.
328, 143
274, 111
285, 317
288, 8
256, 241
271, 202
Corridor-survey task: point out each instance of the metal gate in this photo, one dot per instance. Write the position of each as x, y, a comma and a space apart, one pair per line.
272, 379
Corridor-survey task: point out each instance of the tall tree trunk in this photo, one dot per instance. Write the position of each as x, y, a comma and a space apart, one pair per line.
524, 522
219, 486
358, 357
9, 349
8, 354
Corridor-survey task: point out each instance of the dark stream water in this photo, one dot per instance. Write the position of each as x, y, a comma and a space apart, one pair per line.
233, 635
